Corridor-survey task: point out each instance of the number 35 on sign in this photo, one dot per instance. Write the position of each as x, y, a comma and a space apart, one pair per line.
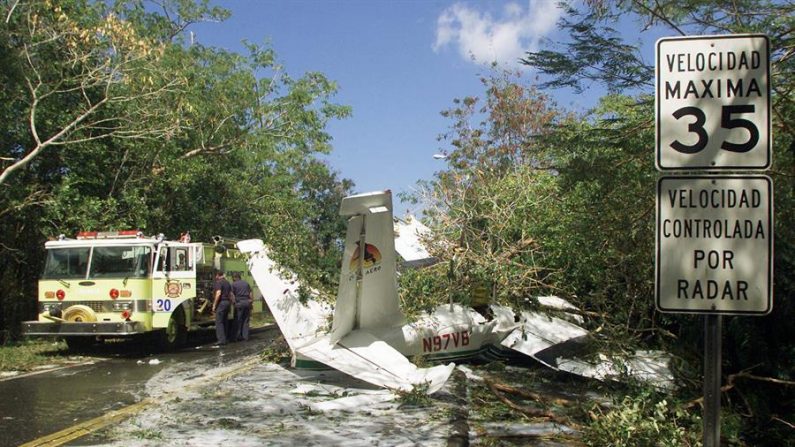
713, 102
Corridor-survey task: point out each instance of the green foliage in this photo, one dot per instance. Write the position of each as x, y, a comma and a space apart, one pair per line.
80, 74
485, 207
277, 351
421, 290
580, 62
764, 343
225, 144
420, 361
602, 234
642, 419
571, 214
537, 201
148, 434
416, 397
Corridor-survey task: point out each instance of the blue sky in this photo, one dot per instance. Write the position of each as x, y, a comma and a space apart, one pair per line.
398, 64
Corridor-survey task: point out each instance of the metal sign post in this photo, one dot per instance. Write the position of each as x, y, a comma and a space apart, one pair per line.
712, 379
714, 233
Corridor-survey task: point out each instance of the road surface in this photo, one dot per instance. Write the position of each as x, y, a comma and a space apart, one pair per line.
34, 406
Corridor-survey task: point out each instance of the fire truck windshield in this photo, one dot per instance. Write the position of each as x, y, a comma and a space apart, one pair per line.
106, 262
66, 263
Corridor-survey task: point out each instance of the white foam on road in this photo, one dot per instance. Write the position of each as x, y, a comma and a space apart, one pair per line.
270, 405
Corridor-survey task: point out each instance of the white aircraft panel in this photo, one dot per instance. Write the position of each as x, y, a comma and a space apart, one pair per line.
407, 240
538, 332
365, 357
298, 322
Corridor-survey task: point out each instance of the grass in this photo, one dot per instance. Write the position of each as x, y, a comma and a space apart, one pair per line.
29, 354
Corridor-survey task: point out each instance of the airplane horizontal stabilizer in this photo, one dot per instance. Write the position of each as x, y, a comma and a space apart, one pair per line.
409, 245
361, 355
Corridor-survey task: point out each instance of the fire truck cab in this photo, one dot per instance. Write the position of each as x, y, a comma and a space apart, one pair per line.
122, 284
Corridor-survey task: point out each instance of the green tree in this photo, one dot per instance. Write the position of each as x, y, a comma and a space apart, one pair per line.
598, 53
539, 201
484, 206
536, 200
239, 159
87, 56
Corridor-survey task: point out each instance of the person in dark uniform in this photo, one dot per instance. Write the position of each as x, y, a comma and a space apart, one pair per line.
243, 301
222, 304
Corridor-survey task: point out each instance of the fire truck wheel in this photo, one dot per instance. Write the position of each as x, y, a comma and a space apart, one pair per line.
176, 334
79, 343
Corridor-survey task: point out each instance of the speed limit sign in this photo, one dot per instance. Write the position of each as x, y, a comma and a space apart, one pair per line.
713, 103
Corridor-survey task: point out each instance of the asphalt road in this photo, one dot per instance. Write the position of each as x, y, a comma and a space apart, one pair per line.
37, 405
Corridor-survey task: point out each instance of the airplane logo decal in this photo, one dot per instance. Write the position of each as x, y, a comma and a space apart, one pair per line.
372, 257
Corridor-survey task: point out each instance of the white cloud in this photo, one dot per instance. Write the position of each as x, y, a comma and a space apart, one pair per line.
486, 39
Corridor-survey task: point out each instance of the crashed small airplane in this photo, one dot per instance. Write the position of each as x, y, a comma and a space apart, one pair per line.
369, 337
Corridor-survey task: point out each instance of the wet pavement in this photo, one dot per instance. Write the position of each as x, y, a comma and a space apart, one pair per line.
208, 396
39, 404
264, 404
271, 405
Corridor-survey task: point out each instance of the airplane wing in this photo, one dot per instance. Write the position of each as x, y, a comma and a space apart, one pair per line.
361, 355
299, 322
651, 367
537, 332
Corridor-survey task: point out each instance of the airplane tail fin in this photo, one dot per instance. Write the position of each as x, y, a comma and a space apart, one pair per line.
367, 296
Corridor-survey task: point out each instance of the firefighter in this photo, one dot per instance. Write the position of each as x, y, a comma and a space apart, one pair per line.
243, 300
223, 300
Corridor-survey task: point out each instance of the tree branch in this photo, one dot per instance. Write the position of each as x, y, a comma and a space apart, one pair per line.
11, 11
532, 412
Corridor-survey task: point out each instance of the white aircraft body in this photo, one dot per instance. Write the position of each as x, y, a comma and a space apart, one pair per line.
368, 336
